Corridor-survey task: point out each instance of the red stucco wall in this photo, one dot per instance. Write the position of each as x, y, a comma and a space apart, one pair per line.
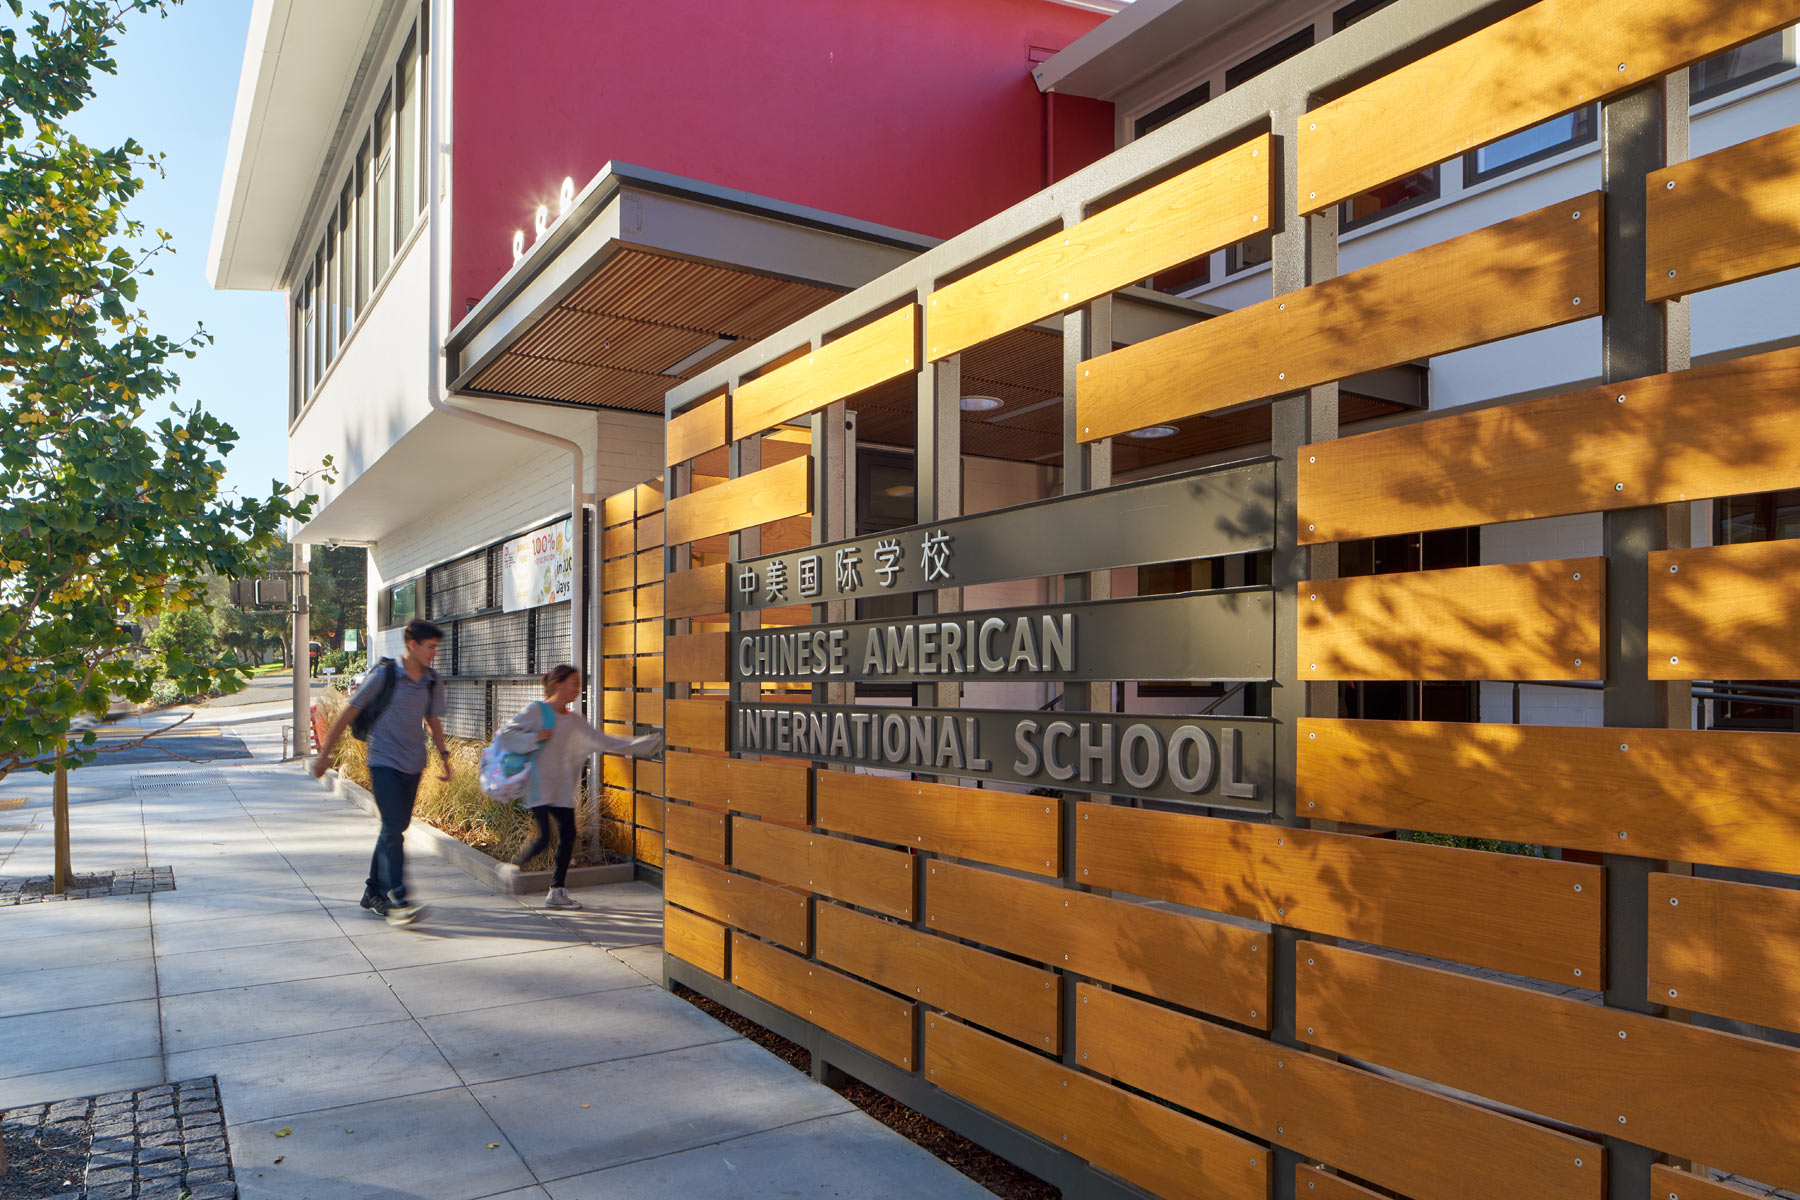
919, 114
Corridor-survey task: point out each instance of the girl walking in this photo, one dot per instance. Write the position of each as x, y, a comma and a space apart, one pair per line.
562, 740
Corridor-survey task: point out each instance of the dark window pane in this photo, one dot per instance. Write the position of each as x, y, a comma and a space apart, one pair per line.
1257, 63
1350, 14
1755, 60
1188, 101
1760, 517
1249, 253
1391, 198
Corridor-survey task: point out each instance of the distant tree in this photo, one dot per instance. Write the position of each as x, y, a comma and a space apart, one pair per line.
338, 592
111, 516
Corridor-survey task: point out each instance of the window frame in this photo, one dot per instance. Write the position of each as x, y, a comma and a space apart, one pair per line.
1785, 62
385, 609
1473, 174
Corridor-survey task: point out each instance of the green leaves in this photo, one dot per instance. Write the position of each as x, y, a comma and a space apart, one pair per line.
109, 520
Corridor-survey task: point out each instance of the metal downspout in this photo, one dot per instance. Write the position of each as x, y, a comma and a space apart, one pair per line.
579, 500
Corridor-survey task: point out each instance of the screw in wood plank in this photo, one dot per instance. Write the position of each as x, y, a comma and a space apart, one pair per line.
1578, 302
1673, 568
1578, 662
1671, 993
1578, 576
1576, 215
1621, 66
1674, 659
1578, 972
1671, 272
1578, 887
1673, 902
1618, 399
1578, 1162
1670, 186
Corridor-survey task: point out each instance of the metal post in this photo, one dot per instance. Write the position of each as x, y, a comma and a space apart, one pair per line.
1303, 252
302, 633
1640, 132
60, 808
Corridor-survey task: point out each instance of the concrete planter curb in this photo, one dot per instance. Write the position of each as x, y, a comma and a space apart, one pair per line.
473, 862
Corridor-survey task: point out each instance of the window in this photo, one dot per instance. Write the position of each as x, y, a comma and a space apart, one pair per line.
1157, 117
406, 140
1251, 252
376, 206
1761, 517
1767, 55
365, 213
399, 604
424, 77
1406, 700
346, 287
1532, 145
1261, 61
1350, 14
1417, 188
381, 192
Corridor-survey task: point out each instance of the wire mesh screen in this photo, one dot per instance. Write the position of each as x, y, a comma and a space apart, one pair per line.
465, 709
458, 587
552, 637
496, 585
497, 644
511, 698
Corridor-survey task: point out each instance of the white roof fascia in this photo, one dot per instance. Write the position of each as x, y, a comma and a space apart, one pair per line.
1126, 49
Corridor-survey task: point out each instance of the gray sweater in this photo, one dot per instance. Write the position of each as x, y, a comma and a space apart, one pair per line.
558, 763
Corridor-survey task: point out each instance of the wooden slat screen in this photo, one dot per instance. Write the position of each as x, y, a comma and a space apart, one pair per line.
1420, 971
1223, 200
1555, 56
1529, 273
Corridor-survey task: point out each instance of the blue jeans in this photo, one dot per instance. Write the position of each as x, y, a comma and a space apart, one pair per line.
394, 795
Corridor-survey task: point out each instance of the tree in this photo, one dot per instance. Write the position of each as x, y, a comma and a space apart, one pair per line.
338, 592
111, 515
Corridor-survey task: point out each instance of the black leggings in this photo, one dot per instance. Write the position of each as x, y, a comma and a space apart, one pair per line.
565, 839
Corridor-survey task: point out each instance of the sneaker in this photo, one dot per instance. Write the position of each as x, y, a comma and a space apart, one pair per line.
508, 875
560, 898
375, 902
404, 913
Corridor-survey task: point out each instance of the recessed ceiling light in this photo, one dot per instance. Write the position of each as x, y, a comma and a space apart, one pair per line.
981, 403
1154, 431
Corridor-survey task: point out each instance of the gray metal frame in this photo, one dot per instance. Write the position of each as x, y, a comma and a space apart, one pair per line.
1639, 338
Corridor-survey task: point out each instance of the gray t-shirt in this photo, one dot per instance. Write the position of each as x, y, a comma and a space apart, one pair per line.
398, 739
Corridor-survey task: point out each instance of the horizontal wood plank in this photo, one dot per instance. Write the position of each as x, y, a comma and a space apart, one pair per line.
1718, 430
761, 496
649, 708
695, 939
696, 832
1192, 961
879, 351
619, 541
618, 706
1730, 949
1716, 1098
761, 908
697, 592
1683, 1185
1508, 279
617, 674
1529, 916
856, 873
650, 532
1008, 997
1206, 207
1165, 1152
1709, 796
650, 601
695, 724
616, 607
618, 509
648, 812
648, 673
1421, 1144
1554, 56
649, 773
1726, 612
1541, 620
648, 847
1729, 215
1021, 832
648, 496
649, 567
696, 658
772, 791
692, 433
1315, 1184
862, 1015
618, 639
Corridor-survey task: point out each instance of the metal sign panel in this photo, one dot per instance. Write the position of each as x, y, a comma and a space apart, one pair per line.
1199, 514
1224, 635
1225, 762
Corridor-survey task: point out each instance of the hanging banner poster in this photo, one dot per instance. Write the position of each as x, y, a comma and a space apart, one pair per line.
538, 568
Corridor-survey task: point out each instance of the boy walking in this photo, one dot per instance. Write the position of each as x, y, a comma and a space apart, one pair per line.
410, 697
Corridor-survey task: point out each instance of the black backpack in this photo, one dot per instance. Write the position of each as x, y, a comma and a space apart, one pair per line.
364, 722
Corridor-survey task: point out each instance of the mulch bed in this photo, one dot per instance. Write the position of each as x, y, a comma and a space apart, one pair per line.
989, 1170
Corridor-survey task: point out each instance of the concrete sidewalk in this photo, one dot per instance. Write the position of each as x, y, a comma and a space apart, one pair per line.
493, 1050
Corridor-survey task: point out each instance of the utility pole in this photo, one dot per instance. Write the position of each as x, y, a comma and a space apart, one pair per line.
302, 659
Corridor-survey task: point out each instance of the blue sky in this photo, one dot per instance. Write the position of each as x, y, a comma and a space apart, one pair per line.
174, 92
